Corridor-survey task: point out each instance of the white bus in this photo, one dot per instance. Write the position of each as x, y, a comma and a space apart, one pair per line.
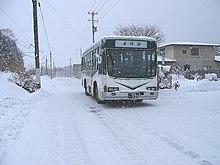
120, 68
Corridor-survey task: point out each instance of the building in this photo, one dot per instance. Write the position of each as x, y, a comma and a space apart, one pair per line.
198, 56
77, 70
165, 60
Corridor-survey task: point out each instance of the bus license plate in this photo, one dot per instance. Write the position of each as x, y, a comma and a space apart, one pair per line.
133, 95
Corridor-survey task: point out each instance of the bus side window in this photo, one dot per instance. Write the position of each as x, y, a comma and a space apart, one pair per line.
100, 66
104, 69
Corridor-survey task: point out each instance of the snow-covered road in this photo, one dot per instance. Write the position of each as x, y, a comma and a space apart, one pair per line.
68, 128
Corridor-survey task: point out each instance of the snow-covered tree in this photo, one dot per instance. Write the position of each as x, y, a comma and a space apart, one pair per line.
136, 30
11, 57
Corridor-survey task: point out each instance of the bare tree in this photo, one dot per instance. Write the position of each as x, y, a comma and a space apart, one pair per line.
136, 30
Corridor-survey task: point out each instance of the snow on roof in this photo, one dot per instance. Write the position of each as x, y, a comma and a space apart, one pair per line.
189, 43
130, 37
159, 58
217, 58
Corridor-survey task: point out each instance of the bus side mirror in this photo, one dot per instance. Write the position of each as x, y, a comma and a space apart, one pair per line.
101, 52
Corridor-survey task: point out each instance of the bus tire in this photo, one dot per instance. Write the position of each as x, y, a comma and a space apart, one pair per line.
96, 95
86, 92
85, 88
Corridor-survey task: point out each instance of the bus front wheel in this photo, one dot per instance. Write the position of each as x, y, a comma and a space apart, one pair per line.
96, 95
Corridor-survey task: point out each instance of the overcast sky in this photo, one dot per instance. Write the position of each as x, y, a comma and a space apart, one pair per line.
69, 30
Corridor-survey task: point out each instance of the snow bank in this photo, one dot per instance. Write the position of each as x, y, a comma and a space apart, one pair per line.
179, 123
188, 86
211, 76
194, 85
14, 111
8, 88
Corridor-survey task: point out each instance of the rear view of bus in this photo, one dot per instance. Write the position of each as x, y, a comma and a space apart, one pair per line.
121, 68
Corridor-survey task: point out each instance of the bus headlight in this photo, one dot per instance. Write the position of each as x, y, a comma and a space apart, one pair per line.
113, 89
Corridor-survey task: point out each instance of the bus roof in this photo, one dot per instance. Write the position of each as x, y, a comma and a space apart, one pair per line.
139, 38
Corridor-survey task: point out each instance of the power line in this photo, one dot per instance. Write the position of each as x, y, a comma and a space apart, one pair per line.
22, 44
100, 9
61, 17
12, 20
51, 71
84, 37
45, 30
24, 54
98, 5
92, 6
112, 5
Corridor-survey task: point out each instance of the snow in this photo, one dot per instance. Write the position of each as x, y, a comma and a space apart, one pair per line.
190, 43
60, 125
211, 76
217, 58
159, 58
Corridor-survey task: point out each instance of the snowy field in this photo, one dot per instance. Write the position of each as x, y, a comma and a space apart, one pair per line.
59, 125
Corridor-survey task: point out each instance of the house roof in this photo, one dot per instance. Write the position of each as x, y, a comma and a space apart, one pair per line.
189, 44
159, 58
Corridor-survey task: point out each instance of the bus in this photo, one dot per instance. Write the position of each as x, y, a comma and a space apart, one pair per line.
121, 68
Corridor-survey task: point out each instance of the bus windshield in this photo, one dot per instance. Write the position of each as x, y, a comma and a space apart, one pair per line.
131, 63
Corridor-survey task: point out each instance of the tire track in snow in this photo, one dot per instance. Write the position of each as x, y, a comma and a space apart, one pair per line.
134, 131
52, 136
173, 142
139, 124
126, 141
68, 146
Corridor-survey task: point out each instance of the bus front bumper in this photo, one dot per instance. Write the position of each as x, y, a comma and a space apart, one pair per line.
130, 95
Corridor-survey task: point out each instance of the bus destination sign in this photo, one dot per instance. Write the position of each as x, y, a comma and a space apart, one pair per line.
130, 44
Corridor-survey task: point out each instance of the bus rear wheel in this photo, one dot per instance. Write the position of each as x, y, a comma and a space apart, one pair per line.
86, 93
85, 88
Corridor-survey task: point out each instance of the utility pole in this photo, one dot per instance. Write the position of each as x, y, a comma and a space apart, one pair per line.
94, 28
80, 52
46, 66
54, 70
46, 69
37, 62
51, 69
